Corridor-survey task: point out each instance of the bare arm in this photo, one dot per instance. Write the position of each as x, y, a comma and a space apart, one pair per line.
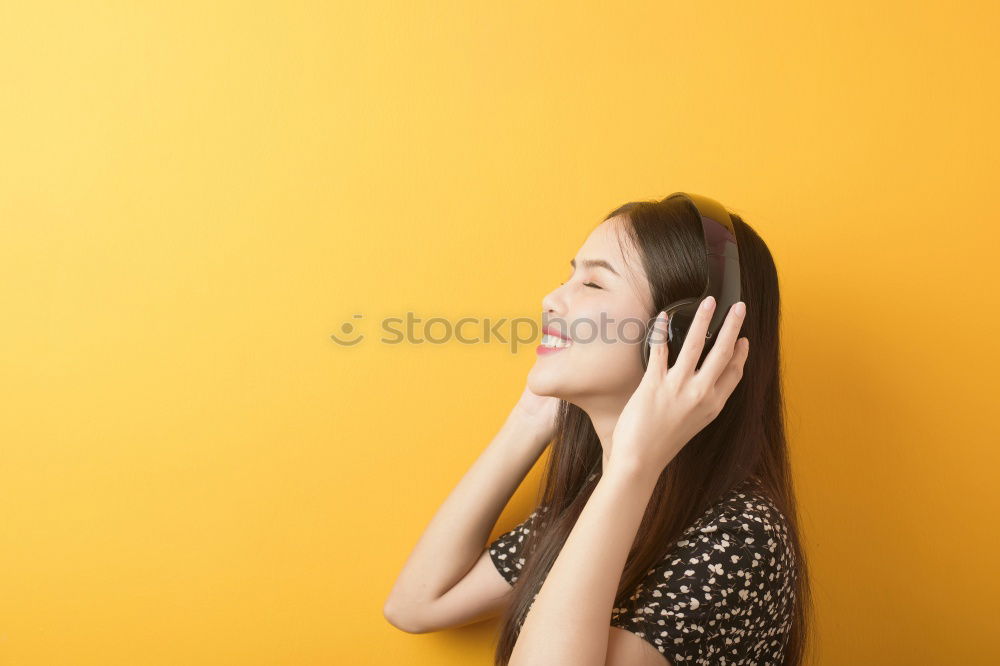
457, 533
568, 623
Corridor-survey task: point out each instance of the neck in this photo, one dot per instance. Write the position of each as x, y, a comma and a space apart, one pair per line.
604, 415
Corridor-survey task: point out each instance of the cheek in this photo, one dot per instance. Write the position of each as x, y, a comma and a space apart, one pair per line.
612, 345
601, 365
618, 330
604, 368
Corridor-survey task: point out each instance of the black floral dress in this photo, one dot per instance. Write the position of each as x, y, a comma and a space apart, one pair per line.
723, 594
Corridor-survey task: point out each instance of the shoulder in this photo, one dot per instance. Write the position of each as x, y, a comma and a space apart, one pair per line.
507, 550
744, 528
747, 512
726, 576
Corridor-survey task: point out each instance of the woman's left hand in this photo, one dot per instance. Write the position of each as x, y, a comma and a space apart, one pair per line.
672, 405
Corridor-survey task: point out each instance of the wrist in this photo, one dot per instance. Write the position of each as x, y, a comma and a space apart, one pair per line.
528, 429
632, 471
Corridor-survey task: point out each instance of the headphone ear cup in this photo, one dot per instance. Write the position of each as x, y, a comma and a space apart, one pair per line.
646, 347
679, 320
647, 343
680, 326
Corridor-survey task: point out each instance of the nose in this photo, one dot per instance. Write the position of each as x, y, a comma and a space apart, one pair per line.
552, 303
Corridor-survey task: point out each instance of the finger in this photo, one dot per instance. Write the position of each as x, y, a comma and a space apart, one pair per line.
694, 342
722, 351
731, 376
658, 346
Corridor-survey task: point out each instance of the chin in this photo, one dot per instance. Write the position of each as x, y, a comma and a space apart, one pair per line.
544, 382
548, 382
611, 377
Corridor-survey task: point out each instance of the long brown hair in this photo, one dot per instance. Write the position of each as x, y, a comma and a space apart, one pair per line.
746, 439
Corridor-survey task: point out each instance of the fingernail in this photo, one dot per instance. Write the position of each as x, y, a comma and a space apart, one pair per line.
741, 308
707, 303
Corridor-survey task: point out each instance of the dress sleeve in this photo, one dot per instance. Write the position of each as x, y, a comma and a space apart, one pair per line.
708, 593
505, 550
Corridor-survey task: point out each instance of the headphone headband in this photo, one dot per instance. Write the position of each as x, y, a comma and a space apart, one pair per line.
722, 253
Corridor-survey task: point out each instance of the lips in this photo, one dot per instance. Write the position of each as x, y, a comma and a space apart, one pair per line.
553, 341
549, 330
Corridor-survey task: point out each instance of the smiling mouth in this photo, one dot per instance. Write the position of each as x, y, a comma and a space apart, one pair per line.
555, 342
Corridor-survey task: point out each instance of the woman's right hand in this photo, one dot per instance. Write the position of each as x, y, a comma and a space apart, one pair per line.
539, 411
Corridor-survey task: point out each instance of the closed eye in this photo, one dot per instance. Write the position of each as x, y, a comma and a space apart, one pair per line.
587, 284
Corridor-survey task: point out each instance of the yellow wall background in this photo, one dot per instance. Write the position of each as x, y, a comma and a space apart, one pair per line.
194, 196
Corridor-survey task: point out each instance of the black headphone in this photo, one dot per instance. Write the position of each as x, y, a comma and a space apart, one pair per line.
723, 257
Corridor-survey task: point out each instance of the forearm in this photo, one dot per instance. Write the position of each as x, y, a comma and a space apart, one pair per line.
569, 620
457, 533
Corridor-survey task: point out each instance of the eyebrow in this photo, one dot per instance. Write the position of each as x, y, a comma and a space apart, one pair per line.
594, 263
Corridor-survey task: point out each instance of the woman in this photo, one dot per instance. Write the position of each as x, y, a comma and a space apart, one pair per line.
667, 503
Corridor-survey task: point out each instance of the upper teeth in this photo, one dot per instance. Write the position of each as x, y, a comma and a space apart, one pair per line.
554, 341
